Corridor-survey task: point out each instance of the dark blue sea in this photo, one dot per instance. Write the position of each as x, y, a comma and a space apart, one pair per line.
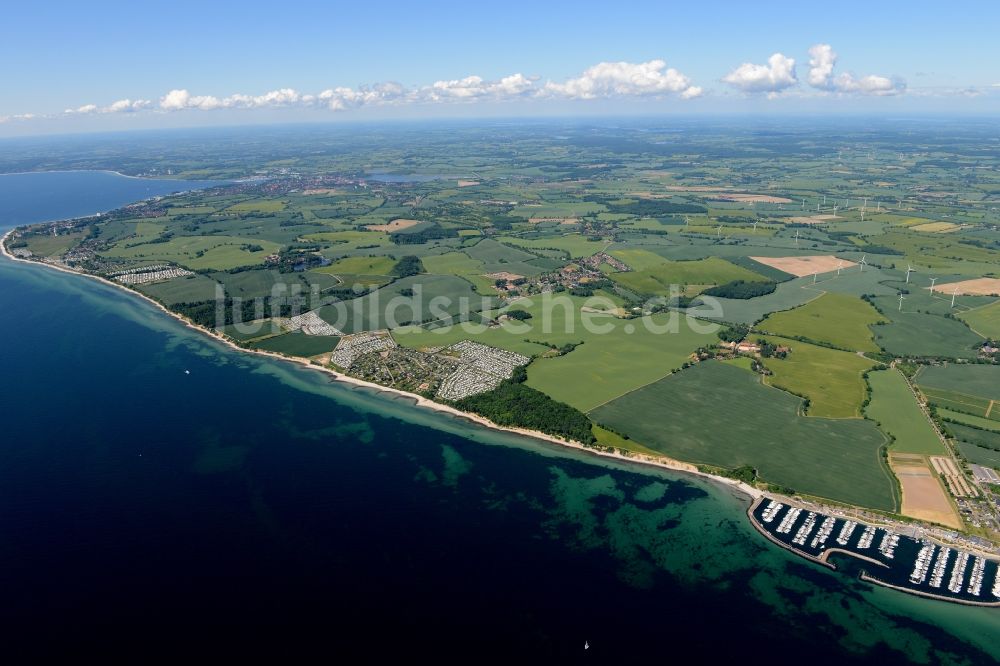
163, 496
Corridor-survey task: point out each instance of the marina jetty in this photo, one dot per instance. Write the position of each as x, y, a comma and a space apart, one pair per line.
898, 561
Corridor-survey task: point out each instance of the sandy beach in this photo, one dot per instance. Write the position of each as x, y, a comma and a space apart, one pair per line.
418, 400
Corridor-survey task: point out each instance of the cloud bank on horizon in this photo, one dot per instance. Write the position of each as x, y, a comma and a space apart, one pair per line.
605, 80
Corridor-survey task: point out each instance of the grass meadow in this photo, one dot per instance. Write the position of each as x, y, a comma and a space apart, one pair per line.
831, 379
895, 409
837, 319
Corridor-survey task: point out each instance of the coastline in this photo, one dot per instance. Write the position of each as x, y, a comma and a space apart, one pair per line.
418, 400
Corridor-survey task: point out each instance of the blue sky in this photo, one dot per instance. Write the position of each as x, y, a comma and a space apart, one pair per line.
382, 60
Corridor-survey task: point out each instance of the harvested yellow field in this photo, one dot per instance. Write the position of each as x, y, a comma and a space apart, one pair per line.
923, 496
801, 266
936, 227
976, 287
814, 219
395, 225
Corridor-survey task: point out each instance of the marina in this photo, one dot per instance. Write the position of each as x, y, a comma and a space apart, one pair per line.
898, 561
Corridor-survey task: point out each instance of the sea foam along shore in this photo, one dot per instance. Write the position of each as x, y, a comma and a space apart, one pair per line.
418, 400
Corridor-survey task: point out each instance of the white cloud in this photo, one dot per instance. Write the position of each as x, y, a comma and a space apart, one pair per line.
176, 100
17, 116
84, 110
823, 59
879, 86
625, 79
121, 106
475, 87
692, 92
127, 106
603, 80
777, 75
343, 98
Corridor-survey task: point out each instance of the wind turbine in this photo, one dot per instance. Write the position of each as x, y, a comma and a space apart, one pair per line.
953, 295
718, 232
933, 280
863, 262
755, 225
824, 199
862, 214
796, 236
909, 269
835, 210
878, 206
814, 277
687, 221
803, 204
901, 299
840, 265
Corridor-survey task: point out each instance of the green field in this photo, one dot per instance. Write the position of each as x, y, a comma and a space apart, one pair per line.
639, 259
260, 283
831, 379
345, 239
959, 402
989, 439
181, 290
737, 311
980, 455
968, 419
967, 379
359, 266
298, 343
658, 279
791, 294
434, 297
916, 333
561, 209
895, 409
453, 263
48, 245
573, 244
489, 251
257, 206
199, 252
617, 355
721, 415
837, 319
251, 330
984, 320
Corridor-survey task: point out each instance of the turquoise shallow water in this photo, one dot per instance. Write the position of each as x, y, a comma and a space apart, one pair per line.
252, 505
